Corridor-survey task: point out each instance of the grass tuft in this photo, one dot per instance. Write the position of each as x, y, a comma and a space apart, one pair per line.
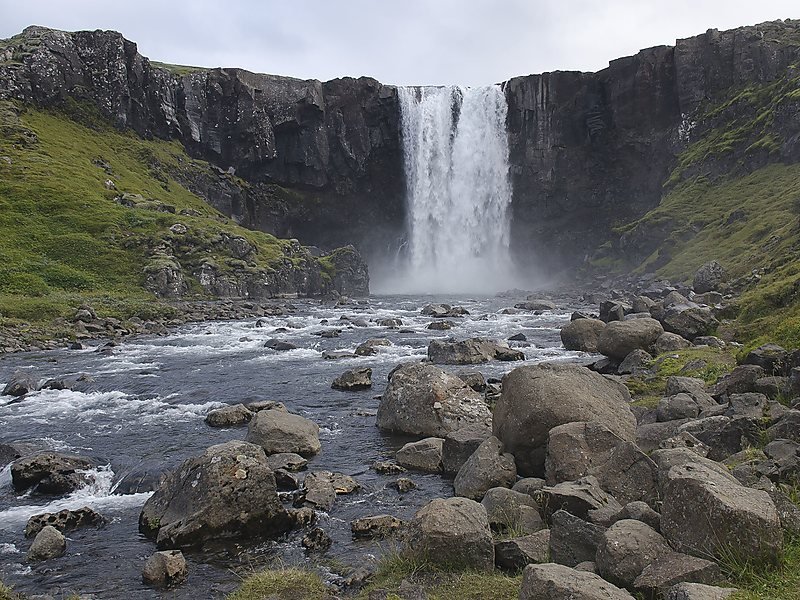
281, 584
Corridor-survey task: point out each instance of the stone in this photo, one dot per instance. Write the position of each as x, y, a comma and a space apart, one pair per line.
709, 278
237, 499
705, 513
620, 338
370, 347
390, 323
640, 511
582, 334
377, 527
514, 554
557, 582
321, 488
536, 304
670, 342
422, 399
52, 473
636, 361
673, 568
739, 381
466, 352
452, 532
698, 591
787, 427
316, 540
512, 512
424, 455
679, 406
573, 540
577, 497
277, 431
354, 379
288, 461
440, 325
529, 485
689, 323
724, 435
337, 354
21, 383
771, 357
165, 569
536, 398
488, 467
473, 379
64, 520
229, 416
279, 345
49, 543
403, 485
460, 444
627, 547
684, 439
388, 468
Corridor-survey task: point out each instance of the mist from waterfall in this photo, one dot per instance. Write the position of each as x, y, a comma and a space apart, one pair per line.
455, 151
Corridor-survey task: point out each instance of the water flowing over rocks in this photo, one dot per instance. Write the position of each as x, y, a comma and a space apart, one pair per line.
51, 473
165, 569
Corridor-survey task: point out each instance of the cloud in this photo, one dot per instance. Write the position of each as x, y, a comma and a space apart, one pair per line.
468, 42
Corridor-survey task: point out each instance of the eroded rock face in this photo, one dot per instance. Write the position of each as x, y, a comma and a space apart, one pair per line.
537, 398
226, 492
423, 399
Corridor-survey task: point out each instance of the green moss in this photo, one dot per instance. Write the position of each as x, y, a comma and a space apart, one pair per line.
179, 70
281, 584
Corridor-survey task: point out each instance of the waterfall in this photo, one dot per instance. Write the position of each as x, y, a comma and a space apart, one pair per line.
455, 150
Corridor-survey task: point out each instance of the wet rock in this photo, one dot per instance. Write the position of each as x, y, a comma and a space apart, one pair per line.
466, 352
355, 379
557, 582
64, 520
278, 431
698, 591
626, 548
302, 518
390, 323
288, 461
337, 354
237, 499
672, 568
316, 540
512, 512
537, 398
279, 345
52, 473
440, 325
8, 454
21, 383
321, 488
377, 527
422, 399
573, 540
165, 569
514, 554
424, 455
518, 337
488, 467
370, 347
230, 416
260, 405
620, 338
388, 468
403, 485
453, 532
582, 334
49, 543
459, 445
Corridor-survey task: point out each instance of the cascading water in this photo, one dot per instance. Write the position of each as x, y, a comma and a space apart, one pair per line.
458, 191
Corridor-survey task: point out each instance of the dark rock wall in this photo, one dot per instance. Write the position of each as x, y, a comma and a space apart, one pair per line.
323, 161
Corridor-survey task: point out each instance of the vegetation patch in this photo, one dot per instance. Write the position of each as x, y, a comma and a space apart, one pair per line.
281, 584
760, 582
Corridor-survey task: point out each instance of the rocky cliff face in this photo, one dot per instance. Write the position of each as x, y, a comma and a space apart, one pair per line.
322, 161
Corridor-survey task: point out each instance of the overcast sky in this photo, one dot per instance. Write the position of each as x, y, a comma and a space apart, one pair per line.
404, 42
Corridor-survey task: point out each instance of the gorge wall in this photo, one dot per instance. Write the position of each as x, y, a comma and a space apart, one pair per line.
323, 161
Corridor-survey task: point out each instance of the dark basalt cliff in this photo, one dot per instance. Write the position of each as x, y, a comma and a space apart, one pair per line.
323, 161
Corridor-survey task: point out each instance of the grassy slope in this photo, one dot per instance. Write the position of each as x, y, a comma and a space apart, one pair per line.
64, 240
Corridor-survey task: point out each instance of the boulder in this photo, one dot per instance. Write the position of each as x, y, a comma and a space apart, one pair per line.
557, 582
770, 357
288, 461
724, 435
321, 488
440, 325
377, 527
49, 543
672, 568
52, 473
529, 485
787, 427
514, 554
573, 540
229, 416
64, 520
709, 278
698, 591
422, 399
237, 499
424, 455
577, 497
670, 342
21, 383
466, 352
636, 361
316, 540
582, 334
739, 381
279, 345
452, 532
512, 512
488, 467
537, 398
278, 431
689, 323
473, 379
370, 347
459, 445
640, 511
165, 569
627, 547
706, 513
679, 406
354, 379
620, 338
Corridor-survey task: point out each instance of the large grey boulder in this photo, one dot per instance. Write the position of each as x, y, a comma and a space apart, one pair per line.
512, 512
226, 492
229, 416
573, 540
557, 582
21, 383
422, 399
582, 334
488, 467
689, 323
453, 532
52, 473
514, 554
424, 455
709, 277
679, 406
620, 338
278, 431
537, 398
466, 352
354, 379
628, 547
670, 342
706, 513
577, 497
48, 543
460, 444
